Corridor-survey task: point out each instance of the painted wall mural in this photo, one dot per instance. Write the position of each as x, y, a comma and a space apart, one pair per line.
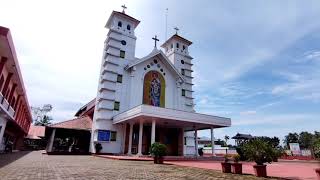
154, 89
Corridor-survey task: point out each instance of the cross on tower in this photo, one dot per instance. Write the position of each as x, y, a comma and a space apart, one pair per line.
177, 29
155, 41
124, 7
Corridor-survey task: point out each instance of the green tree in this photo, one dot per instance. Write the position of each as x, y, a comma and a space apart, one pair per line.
226, 138
274, 141
306, 140
260, 151
45, 121
291, 138
40, 115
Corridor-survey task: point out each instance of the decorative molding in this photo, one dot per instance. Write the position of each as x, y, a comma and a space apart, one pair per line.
108, 71
111, 46
106, 89
104, 108
107, 80
109, 62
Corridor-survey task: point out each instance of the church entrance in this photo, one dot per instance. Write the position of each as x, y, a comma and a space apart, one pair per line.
170, 136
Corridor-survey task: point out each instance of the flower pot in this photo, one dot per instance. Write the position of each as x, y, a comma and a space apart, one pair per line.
236, 168
260, 170
158, 160
318, 172
226, 167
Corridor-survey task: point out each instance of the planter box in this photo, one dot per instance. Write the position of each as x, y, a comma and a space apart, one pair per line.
236, 168
318, 172
158, 160
260, 170
226, 167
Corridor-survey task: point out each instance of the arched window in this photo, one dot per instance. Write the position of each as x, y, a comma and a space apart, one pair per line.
120, 24
1, 82
177, 45
154, 89
128, 27
171, 46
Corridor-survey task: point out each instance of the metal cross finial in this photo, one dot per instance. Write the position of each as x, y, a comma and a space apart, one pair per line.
124, 7
155, 41
177, 29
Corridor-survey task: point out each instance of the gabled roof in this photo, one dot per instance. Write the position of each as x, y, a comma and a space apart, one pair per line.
176, 36
121, 14
154, 53
86, 108
242, 136
84, 123
36, 132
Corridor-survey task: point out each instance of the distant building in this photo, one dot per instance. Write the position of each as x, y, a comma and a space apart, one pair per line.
35, 139
15, 114
240, 138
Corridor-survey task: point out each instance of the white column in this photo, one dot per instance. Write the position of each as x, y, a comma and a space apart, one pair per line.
51, 140
3, 123
140, 139
130, 139
196, 140
153, 131
212, 141
124, 137
183, 142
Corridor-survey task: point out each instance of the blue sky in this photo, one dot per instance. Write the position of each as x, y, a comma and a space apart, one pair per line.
257, 62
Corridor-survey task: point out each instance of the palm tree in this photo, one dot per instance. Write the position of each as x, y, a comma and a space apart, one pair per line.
45, 121
226, 138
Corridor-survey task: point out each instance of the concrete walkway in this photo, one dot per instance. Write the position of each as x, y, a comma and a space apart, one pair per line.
290, 170
37, 166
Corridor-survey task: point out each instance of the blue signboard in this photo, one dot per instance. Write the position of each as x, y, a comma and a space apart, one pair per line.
103, 135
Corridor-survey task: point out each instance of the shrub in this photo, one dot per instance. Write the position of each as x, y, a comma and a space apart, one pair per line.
98, 147
158, 149
227, 157
236, 158
239, 150
259, 151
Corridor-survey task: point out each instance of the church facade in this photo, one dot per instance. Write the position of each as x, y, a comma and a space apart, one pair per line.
145, 100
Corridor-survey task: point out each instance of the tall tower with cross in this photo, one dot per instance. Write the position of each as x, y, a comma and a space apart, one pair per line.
119, 50
176, 49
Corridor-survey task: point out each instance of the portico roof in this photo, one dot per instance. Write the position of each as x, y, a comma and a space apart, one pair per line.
165, 116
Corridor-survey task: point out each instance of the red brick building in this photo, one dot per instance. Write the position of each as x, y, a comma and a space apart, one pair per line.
15, 114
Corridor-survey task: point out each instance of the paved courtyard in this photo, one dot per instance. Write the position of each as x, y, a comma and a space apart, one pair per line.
34, 165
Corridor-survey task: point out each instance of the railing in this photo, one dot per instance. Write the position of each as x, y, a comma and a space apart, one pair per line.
11, 111
6, 106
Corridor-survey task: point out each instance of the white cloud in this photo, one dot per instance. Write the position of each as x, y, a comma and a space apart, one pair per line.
250, 112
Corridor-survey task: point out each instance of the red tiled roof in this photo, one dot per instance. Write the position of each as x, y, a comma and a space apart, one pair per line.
84, 122
36, 131
84, 109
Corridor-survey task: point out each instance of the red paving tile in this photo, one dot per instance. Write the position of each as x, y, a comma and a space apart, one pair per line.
291, 170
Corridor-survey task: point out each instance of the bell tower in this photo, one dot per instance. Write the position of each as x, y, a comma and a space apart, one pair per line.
176, 49
118, 51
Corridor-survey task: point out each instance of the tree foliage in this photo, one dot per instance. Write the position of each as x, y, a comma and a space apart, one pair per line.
291, 138
260, 151
40, 115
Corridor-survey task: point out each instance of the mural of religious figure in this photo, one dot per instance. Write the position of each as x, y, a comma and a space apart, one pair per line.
154, 89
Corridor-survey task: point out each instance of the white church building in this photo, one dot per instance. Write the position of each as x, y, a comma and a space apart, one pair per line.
145, 100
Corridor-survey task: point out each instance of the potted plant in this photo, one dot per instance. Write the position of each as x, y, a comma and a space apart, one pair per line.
318, 172
158, 150
236, 167
226, 165
98, 148
260, 152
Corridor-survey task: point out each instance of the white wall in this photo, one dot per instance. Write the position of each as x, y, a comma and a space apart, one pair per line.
3, 123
